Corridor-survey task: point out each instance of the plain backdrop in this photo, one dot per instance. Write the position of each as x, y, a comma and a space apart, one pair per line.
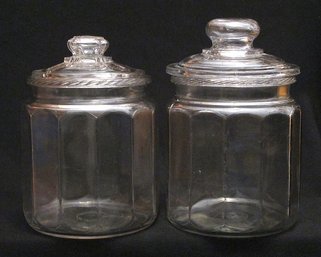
149, 35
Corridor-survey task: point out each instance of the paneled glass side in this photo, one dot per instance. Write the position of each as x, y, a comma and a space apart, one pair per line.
92, 170
239, 172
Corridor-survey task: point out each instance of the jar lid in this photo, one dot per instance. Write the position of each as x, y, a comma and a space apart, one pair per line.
232, 61
88, 68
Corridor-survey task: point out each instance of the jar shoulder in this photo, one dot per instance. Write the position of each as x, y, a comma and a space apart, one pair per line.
213, 105
286, 106
93, 106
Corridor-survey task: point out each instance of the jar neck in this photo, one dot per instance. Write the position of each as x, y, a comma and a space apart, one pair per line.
221, 94
121, 94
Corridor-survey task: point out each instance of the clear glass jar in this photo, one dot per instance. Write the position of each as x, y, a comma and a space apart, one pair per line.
90, 161
234, 138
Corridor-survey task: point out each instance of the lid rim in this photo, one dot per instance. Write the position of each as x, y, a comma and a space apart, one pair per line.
88, 82
176, 70
48, 74
237, 83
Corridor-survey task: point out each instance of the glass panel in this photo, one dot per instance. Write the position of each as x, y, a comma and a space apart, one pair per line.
295, 161
208, 165
44, 127
276, 175
114, 140
78, 156
143, 173
180, 166
242, 179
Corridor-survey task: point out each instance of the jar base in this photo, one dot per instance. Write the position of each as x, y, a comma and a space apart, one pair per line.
231, 235
231, 217
92, 237
88, 221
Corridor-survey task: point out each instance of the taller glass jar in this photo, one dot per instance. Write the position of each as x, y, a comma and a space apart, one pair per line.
234, 138
90, 165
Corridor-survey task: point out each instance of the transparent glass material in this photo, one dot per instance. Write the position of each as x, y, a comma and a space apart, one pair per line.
90, 158
234, 138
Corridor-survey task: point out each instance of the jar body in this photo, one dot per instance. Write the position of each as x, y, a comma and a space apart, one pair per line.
234, 161
90, 171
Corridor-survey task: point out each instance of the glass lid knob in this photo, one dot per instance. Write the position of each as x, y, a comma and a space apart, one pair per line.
236, 34
87, 45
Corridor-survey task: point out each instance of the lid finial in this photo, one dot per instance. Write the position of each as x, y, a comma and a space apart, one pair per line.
232, 33
87, 45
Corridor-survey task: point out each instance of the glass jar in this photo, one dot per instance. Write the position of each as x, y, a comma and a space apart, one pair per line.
234, 138
90, 164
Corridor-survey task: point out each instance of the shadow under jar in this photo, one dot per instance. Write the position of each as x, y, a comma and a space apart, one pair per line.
234, 138
89, 139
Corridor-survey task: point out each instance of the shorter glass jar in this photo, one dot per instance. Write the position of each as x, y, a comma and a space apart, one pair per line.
234, 138
90, 155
